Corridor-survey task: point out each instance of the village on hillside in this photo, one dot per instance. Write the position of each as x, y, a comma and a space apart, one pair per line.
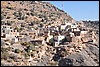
72, 34
49, 34
45, 42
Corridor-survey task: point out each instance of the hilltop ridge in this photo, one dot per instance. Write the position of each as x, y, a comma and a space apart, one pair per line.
32, 11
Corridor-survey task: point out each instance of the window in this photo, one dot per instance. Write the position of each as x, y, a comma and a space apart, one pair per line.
3, 31
11, 30
10, 27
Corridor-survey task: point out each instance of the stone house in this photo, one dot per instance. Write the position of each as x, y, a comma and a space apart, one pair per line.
73, 26
61, 40
56, 40
68, 24
6, 29
9, 33
62, 27
76, 32
15, 39
82, 33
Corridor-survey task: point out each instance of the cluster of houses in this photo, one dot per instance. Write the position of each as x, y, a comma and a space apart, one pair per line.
7, 33
64, 33
49, 34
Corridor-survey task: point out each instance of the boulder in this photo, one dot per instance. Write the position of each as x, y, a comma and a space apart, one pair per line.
86, 63
45, 59
94, 50
56, 57
84, 54
65, 62
76, 64
40, 64
88, 51
78, 58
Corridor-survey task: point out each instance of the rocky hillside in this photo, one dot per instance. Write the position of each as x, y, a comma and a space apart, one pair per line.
92, 24
22, 15
32, 12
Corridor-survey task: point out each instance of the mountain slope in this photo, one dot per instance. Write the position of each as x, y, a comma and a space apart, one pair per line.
32, 11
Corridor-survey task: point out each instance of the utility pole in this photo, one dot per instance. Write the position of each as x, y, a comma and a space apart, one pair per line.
62, 5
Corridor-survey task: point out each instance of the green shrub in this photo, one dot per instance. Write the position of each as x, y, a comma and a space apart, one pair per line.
17, 51
51, 40
16, 28
24, 44
31, 47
